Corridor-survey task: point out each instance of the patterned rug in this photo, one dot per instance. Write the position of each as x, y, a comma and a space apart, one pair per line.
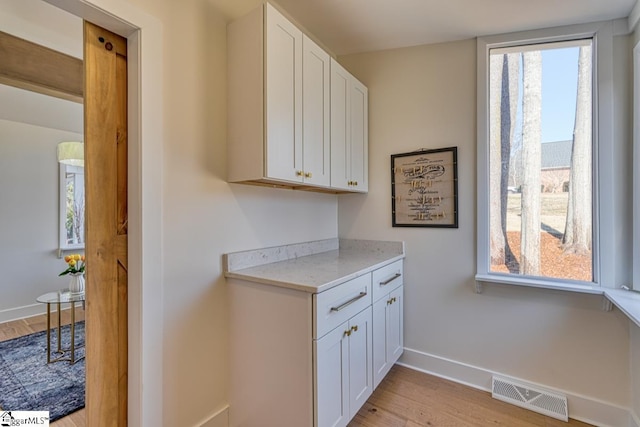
28, 383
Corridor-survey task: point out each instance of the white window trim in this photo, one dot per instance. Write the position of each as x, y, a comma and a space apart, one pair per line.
604, 248
63, 246
636, 168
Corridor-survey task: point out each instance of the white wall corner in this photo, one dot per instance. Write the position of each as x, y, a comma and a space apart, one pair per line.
581, 408
219, 419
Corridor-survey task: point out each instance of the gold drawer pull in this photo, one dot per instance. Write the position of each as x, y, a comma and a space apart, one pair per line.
354, 328
351, 301
386, 282
308, 175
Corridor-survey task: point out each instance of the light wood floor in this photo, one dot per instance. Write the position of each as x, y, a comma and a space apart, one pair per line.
406, 398
18, 328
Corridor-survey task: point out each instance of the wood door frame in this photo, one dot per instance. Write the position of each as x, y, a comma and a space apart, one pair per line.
145, 106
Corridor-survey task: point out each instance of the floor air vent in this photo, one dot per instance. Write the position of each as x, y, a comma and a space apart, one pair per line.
528, 397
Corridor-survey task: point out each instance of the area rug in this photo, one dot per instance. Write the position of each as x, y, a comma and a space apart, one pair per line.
28, 383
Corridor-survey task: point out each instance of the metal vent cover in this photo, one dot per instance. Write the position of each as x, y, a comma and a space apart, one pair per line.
529, 397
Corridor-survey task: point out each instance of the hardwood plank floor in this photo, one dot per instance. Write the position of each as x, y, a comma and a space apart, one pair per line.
30, 325
405, 398
408, 398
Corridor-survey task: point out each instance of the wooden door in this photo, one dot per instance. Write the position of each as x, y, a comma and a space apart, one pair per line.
105, 94
283, 98
315, 114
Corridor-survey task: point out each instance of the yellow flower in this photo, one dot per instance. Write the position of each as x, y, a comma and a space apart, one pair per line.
72, 262
76, 257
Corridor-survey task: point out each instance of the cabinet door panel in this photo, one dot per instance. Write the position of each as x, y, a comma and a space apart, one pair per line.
360, 361
359, 136
395, 341
340, 152
332, 399
315, 141
283, 98
380, 365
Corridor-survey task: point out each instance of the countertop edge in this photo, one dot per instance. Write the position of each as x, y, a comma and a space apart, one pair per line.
311, 288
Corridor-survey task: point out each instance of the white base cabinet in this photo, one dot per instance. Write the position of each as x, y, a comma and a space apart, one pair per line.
311, 360
388, 341
343, 373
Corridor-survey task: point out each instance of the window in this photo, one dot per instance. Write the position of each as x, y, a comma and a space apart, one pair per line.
71, 207
636, 167
540, 179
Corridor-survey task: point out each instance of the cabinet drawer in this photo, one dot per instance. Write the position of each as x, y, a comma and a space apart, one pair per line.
338, 304
387, 278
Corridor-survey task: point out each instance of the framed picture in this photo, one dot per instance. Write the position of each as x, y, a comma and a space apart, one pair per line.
424, 188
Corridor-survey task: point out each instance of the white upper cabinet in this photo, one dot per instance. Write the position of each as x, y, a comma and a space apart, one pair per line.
316, 114
283, 98
279, 108
279, 100
349, 131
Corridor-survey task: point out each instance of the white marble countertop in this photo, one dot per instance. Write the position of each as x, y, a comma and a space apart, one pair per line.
313, 266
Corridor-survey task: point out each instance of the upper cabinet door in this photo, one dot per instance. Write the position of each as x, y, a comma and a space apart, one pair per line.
340, 147
316, 109
359, 136
349, 131
283, 98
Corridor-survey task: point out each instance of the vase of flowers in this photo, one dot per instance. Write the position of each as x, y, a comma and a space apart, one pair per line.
75, 269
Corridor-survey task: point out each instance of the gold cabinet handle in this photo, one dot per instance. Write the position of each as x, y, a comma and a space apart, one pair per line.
307, 175
354, 328
299, 173
347, 333
355, 183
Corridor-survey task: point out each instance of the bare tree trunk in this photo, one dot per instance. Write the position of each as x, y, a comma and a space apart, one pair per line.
577, 234
504, 70
510, 79
531, 130
496, 235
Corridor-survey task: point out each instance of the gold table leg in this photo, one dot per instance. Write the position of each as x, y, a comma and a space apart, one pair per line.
59, 330
48, 333
73, 332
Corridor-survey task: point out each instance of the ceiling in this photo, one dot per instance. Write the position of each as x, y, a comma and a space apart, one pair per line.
352, 26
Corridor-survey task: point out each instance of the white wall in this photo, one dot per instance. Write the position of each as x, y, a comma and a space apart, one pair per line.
425, 97
204, 216
29, 213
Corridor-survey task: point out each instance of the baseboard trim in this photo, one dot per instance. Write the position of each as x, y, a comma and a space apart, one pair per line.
18, 313
218, 419
581, 408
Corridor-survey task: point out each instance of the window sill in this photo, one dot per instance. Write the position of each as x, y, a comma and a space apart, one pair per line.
628, 302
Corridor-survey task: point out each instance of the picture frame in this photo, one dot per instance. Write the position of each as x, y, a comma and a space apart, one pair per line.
424, 188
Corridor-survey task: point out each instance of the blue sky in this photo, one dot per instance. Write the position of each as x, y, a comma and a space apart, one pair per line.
559, 89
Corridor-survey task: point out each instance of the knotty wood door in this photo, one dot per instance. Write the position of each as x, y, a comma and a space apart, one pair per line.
105, 97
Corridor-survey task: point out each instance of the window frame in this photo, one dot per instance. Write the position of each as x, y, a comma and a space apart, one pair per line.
62, 192
603, 251
636, 168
